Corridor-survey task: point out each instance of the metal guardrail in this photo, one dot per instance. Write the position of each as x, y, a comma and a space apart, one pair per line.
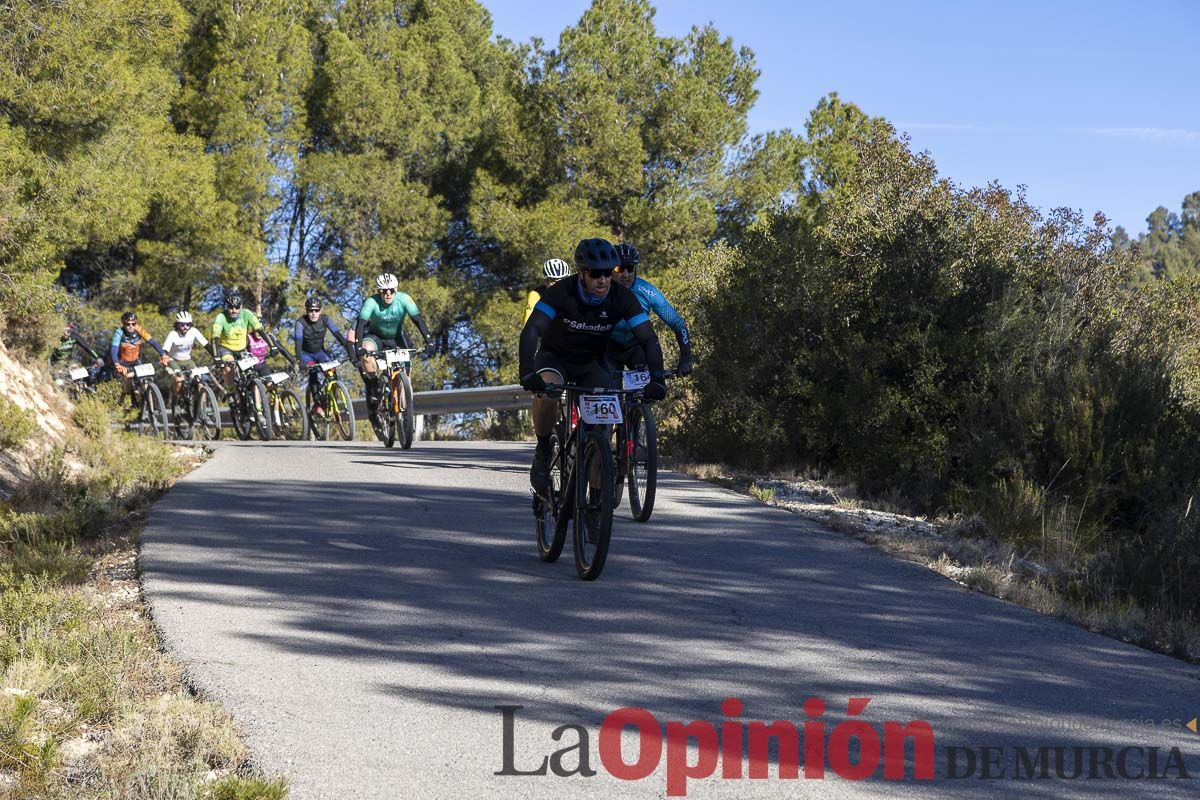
465, 401
450, 401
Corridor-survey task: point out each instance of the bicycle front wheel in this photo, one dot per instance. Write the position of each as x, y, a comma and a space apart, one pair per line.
387, 417
643, 463
546, 510
258, 408
206, 421
407, 426
153, 418
593, 505
292, 422
339, 413
318, 425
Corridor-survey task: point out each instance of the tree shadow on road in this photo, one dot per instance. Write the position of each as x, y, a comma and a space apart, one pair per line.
718, 596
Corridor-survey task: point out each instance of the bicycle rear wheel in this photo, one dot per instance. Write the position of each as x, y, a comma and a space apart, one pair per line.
643, 464
593, 505
339, 413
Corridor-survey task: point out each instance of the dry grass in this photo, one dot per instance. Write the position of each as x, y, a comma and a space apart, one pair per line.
90, 705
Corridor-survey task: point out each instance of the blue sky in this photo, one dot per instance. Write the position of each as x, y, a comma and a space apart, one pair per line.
1091, 105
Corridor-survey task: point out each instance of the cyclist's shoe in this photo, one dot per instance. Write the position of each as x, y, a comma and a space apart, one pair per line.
318, 411
539, 473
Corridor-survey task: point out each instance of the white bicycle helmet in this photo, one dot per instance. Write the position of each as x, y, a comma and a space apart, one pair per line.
556, 269
386, 281
184, 317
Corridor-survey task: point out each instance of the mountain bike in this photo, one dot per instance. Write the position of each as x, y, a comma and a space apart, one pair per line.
194, 408
392, 412
635, 445
286, 411
334, 400
147, 398
587, 503
248, 401
80, 381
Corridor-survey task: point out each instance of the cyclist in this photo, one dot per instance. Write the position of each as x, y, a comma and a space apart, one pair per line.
65, 350
554, 271
126, 348
574, 320
179, 343
230, 331
309, 336
380, 326
623, 349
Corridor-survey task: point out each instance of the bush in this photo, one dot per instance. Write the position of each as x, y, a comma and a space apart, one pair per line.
91, 414
960, 348
16, 424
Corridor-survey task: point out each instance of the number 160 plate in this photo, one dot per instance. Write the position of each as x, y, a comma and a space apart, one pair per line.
600, 409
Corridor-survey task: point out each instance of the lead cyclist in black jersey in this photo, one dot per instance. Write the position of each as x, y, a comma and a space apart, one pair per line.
574, 320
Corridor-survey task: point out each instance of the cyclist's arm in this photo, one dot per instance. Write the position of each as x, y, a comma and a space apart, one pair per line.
114, 350
279, 346
667, 313
298, 339
419, 321
643, 331
364, 319
217, 326
531, 301
410, 308
87, 350
535, 327
172, 339
337, 334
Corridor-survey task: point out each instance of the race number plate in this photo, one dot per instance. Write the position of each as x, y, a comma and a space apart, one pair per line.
78, 374
278, 377
143, 370
395, 357
600, 409
635, 379
198, 371
248, 363
330, 366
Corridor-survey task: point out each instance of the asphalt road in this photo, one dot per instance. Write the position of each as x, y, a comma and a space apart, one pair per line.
363, 611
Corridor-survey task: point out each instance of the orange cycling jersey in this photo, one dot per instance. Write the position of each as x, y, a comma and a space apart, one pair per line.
128, 344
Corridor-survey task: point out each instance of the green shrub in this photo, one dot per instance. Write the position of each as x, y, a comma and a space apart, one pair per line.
16, 424
235, 787
92, 416
964, 350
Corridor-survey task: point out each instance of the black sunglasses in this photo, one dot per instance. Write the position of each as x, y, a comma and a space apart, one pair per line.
600, 273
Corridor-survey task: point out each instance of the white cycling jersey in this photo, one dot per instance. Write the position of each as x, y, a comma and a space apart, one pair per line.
180, 347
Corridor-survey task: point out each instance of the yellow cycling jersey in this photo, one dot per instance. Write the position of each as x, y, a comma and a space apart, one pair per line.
530, 302
231, 334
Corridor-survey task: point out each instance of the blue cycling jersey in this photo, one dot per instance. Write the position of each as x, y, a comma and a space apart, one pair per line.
652, 300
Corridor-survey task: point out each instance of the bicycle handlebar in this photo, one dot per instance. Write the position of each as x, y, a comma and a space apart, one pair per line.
571, 387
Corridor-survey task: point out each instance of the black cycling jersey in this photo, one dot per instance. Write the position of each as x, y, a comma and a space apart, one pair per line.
312, 335
577, 327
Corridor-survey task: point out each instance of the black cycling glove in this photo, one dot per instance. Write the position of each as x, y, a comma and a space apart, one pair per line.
533, 382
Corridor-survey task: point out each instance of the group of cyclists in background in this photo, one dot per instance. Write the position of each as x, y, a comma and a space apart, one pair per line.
587, 333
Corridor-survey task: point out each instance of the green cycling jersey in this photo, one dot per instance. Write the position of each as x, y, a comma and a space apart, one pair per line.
385, 320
